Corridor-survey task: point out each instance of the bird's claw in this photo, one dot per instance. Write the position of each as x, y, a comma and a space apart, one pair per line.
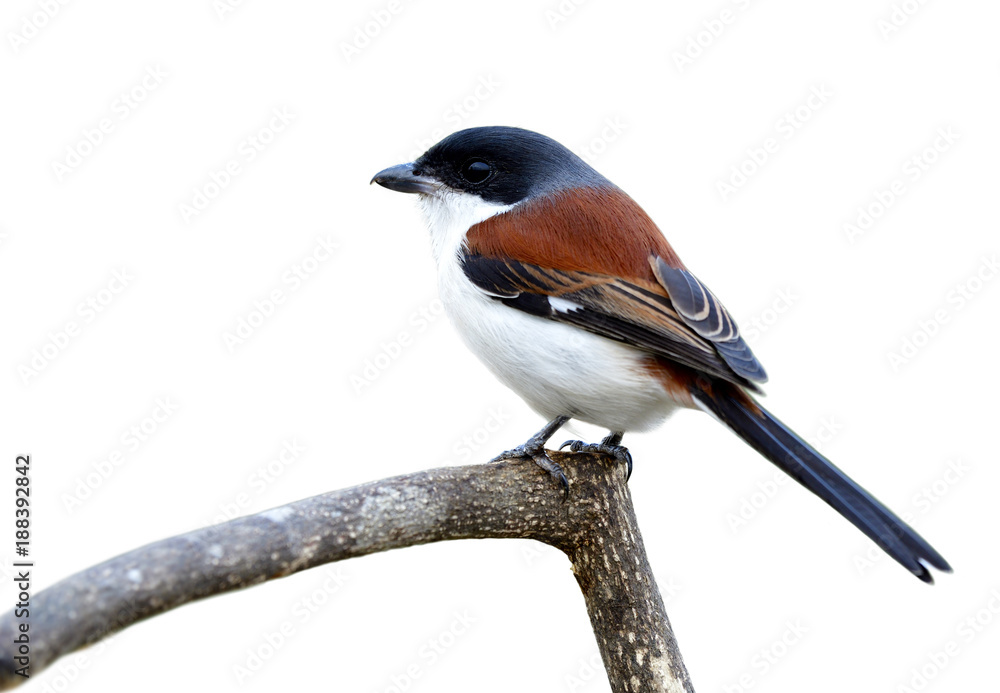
619, 452
541, 458
513, 454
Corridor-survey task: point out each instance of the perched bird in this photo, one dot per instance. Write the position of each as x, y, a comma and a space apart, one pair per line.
570, 294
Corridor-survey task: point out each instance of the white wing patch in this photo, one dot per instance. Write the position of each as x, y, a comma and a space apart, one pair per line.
561, 305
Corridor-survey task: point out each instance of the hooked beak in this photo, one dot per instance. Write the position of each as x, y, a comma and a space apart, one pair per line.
402, 178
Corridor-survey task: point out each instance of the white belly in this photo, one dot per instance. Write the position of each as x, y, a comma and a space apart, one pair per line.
556, 368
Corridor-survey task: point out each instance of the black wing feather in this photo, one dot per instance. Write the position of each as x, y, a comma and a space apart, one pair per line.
623, 311
706, 315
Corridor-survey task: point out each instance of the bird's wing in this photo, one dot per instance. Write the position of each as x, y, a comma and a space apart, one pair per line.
676, 318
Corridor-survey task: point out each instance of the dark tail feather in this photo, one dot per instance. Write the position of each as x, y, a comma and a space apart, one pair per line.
776, 442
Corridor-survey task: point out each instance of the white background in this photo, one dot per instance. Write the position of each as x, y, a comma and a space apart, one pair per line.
605, 79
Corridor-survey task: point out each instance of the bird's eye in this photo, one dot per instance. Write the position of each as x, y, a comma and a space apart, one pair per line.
476, 171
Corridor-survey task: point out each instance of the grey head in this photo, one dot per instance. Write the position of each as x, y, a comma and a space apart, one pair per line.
502, 165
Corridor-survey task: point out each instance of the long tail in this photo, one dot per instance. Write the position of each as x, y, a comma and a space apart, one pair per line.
798, 459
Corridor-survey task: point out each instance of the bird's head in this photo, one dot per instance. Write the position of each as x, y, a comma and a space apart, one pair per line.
501, 166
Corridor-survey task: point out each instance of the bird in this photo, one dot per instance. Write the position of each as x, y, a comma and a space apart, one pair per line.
571, 295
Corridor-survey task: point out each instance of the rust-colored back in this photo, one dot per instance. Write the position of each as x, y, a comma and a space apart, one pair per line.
599, 230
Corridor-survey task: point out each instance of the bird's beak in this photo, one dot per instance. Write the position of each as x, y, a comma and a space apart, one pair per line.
402, 178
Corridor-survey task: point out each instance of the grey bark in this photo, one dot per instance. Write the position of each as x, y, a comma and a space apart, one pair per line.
595, 527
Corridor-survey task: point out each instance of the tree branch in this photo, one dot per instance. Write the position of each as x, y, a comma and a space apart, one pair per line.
596, 528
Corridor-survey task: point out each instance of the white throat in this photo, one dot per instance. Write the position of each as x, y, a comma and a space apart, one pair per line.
450, 214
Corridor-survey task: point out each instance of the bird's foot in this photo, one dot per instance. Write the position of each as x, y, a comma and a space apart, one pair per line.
534, 448
537, 453
609, 446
